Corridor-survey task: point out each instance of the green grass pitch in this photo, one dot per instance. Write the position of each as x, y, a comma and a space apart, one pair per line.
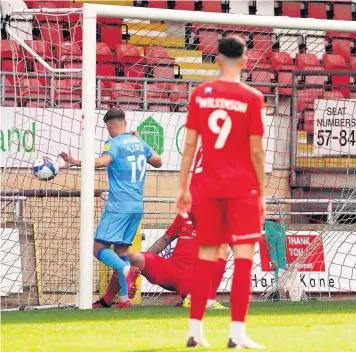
281, 326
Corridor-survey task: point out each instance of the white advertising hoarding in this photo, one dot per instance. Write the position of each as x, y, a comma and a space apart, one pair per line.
27, 134
334, 127
330, 268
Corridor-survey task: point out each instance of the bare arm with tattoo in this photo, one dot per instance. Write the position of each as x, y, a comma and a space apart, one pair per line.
161, 244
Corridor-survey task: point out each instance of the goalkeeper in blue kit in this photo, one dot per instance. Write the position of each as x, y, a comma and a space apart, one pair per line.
125, 156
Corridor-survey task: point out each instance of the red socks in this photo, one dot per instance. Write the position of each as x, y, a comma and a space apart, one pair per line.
201, 287
241, 289
217, 277
113, 288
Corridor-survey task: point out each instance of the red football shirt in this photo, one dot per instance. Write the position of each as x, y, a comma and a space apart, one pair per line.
185, 253
226, 114
195, 182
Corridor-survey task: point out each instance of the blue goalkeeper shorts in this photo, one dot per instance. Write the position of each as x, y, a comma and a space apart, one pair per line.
117, 228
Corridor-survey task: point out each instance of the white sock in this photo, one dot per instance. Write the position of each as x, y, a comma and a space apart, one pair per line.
126, 270
123, 298
189, 297
210, 302
195, 328
237, 330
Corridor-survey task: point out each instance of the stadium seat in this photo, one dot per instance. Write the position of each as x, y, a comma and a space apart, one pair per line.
105, 69
158, 55
291, 8
124, 92
9, 92
285, 77
208, 41
282, 61
179, 93
342, 12
135, 71
317, 10
111, 35
306, 97
12, 58
166, 72
332, 95
52, 32
304, 61
41, 47
342, 47
68, 51
339, 35
110, 21
37, 104
128, 54
158, 4
157, 94
31, 89
187, 5
42, 17
353, 63
262, 42
261, 76
104, 54
211, 5
66, 95
74, 17
334, 62
76, 33
257, 61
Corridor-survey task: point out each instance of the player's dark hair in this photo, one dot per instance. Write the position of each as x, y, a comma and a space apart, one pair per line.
232, 47
114, 113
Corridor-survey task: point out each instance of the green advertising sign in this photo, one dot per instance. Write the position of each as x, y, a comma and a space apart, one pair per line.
152, 133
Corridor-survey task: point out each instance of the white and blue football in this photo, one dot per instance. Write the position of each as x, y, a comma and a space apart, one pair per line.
45, 168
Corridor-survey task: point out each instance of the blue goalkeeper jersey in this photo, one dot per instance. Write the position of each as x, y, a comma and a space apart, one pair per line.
126, 173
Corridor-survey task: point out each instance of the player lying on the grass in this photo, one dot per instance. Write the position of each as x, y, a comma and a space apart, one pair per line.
173, 273
125, 156
228, 115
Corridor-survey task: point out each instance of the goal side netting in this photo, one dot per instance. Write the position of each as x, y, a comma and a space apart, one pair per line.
60, 73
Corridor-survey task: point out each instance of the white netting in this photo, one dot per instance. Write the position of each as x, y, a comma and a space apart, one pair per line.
149, 69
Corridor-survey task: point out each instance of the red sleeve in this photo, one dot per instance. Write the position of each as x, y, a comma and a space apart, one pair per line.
193, 111
257, 112
175, 228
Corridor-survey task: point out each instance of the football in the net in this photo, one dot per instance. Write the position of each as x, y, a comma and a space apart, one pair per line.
45, 168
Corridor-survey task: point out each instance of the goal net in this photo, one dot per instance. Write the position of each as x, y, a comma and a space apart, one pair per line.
148, 62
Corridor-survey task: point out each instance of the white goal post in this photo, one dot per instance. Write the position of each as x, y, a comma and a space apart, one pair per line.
90, 14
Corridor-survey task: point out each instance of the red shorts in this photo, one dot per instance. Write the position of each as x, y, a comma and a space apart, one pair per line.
230, 220
161, 271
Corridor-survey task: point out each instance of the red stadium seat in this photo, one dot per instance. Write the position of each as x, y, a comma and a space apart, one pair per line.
317, 10
12, 58
135, 71
187, 5
52, 32
208, 42
31, 89
306, 97
334, 62
291, 8
103, 53
163, 72
179, 94
256, 60
260, 76
111, 35
8, 48
9, 92
68, 51
125, 93
332, 95
158, 4
353, 62
285, 77
262, 42
338, 35
304, 60
342, 47
282, 61
41, 47
342, 12
158, 55
157, 93
211, 5
43, 17
66, 94
37, 104
128, 54
105, 69
110, 20
76, 33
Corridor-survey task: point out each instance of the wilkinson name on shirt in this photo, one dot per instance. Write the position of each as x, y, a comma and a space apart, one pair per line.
221, 103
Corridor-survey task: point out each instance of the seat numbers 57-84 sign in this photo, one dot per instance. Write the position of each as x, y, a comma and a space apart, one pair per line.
334, 127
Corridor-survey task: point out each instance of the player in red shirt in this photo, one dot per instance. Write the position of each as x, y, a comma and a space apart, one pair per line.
228, 115
173, 273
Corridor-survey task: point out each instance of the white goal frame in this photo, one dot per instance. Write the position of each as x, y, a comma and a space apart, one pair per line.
90, 14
